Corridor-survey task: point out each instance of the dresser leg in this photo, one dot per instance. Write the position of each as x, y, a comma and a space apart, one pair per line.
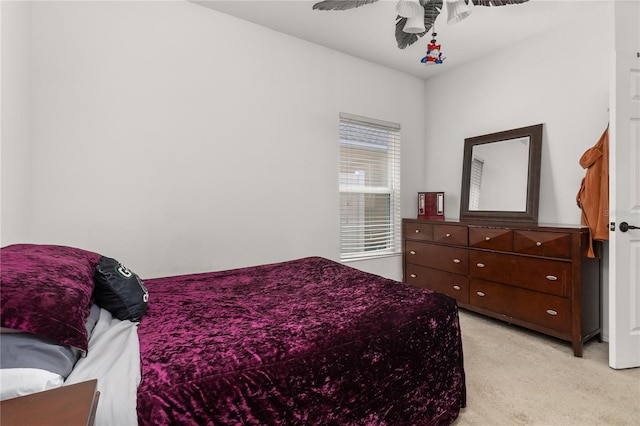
577, 348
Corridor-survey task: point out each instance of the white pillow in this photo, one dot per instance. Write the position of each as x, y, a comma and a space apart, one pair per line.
16, 382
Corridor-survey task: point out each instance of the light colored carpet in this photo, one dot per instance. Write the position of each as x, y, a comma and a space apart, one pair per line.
519, 377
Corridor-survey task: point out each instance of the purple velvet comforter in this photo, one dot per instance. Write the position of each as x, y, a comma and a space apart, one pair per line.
303, 342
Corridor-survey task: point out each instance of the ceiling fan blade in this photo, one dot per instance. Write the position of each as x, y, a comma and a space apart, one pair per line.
432, 9
405, 39
341, 4
496, 2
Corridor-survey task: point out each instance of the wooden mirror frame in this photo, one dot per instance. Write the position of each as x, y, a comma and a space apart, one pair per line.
533, 180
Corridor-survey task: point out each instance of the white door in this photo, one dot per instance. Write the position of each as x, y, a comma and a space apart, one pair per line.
624, 206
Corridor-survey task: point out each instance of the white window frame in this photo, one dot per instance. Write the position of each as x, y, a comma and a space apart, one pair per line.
369, 237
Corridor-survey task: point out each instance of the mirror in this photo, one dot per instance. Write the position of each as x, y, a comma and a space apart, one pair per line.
501, 176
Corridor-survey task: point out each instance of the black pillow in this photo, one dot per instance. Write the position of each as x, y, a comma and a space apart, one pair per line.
119, 290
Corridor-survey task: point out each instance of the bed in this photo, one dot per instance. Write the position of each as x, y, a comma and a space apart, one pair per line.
301, 342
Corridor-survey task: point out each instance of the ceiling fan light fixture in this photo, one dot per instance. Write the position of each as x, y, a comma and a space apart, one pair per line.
457, 10
415, 24
409, 8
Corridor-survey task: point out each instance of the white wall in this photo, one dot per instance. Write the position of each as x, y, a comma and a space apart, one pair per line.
14, 120
178, 139
559, 78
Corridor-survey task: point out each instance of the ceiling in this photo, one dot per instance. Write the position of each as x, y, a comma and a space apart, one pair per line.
368, 32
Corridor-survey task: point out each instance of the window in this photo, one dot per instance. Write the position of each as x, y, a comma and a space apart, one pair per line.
369, 187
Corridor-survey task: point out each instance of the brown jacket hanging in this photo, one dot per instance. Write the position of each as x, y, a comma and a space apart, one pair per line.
593, 196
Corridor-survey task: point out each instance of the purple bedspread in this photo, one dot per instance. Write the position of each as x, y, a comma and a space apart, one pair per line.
303, 342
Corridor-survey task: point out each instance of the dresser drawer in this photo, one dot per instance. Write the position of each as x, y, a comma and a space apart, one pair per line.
451, 234
450, 259
549, 244
542, 309
549, 276
491, 238
417, 231
445, 282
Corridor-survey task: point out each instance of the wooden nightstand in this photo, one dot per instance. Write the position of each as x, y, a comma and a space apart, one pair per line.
73, 405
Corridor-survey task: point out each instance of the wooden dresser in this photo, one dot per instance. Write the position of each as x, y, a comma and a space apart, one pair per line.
534, 276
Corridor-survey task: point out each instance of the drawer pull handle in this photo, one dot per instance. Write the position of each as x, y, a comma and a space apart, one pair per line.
448, 235
552, 278
538, 243
417, 231
487, 238
413, 275
412, 252
456, 287
552, 312
456, 260
480, 265
479, 293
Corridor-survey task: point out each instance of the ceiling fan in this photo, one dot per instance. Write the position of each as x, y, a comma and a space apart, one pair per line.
416, 17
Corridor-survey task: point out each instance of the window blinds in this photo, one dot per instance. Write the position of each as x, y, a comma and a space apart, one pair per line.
475, 182
369, 187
